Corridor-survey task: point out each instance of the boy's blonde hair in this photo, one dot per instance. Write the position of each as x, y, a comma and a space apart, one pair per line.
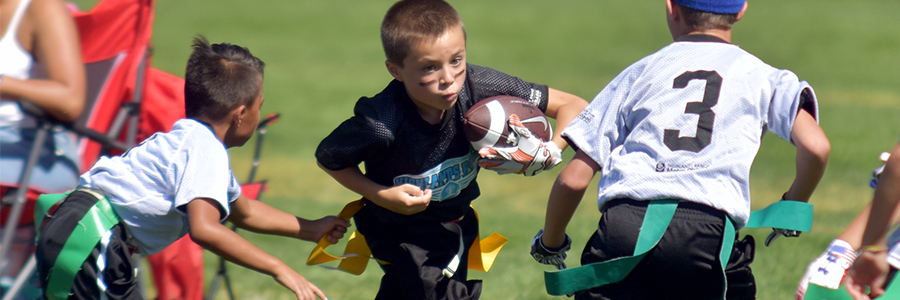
413, 21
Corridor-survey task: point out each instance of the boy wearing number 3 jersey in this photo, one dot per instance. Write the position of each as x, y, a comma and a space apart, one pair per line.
684, 124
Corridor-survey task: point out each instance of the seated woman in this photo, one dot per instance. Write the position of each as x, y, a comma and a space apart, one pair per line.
40, 61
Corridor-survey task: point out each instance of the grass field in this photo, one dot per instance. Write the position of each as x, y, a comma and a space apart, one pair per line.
322, 56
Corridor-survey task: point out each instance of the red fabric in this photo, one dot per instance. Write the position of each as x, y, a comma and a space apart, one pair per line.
163, 103
253, 190
178, 270
118, 29
27, 210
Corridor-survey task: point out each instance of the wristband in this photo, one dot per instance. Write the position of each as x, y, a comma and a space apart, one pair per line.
874, 249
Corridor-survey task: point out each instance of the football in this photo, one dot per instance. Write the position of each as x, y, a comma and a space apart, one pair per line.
485, 124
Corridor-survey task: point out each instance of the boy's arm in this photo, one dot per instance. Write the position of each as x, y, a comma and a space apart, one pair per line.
260, 217
813, 149
565, 196
403, 199
205, 230
871, 267
884, 203
563, 107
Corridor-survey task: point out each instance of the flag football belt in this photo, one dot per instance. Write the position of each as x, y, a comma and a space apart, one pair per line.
792, 215
96, 221
356, 255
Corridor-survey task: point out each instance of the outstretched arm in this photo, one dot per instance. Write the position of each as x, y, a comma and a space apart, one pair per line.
563, 107
259, 217
565, 196
871, 267
205, 230
403, 199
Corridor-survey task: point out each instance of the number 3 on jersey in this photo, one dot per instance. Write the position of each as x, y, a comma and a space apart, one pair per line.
703, 108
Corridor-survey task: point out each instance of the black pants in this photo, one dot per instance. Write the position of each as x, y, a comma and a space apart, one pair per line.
416, 256
119, 272
684, 265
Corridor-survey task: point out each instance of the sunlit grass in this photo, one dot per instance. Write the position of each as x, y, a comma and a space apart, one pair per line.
322, 56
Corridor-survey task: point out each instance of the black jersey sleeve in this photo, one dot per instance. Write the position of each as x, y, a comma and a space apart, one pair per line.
355, 140
487, 82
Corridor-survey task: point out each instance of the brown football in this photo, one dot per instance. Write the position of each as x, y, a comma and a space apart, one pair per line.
485, 124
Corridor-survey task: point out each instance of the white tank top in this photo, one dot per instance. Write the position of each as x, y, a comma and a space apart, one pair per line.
16, 63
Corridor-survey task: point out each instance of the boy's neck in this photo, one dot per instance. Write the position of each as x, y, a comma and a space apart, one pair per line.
218, 128
725, 35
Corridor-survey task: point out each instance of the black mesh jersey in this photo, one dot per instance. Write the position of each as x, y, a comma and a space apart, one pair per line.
398, 146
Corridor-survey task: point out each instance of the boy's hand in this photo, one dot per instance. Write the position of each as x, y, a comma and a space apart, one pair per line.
555, 257
330, 227
777, 232
829, 269
869, 271
299, 285
405, 199
530, 156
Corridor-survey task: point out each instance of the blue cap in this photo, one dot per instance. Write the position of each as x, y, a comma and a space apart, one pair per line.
714, 6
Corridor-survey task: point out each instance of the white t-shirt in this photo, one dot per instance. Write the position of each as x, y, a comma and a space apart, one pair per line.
149, 185
15, 63
686, 122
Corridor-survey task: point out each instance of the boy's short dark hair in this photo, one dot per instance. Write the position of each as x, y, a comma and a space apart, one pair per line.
412, 21
703, 20
218, 78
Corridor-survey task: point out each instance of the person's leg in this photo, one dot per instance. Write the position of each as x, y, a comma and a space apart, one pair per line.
116, 277
108, 268
417, 255
57, 168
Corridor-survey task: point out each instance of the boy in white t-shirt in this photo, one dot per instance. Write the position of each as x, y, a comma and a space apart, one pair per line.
173, 184
683, 126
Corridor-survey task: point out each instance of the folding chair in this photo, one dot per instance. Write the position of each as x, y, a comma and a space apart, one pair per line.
115, 37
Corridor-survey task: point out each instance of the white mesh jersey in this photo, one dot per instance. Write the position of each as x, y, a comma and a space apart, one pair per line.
149, 185
686, 122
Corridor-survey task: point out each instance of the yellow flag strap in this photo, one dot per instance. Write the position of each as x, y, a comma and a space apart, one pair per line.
357, 254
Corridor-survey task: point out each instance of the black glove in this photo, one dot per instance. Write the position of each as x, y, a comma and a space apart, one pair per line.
777, 232
542, 254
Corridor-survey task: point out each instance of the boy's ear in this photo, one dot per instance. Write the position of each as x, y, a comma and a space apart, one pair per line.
394, 69
740, 14
237, 114
672, 10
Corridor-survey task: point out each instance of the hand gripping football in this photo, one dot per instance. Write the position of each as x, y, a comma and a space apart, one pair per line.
485, 124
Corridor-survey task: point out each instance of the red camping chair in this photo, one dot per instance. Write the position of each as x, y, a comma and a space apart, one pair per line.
115, 37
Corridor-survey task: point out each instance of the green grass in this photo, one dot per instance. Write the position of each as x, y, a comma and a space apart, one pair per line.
322, 56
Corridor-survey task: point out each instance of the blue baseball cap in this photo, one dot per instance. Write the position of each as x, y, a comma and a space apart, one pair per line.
714, 6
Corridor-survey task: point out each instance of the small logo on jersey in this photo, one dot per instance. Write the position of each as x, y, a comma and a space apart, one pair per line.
535, 96
586, 115
663, 167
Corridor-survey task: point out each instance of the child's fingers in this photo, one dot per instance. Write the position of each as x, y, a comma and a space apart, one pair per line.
318, 292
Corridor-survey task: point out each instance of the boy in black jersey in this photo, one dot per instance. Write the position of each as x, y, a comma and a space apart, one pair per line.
420, 169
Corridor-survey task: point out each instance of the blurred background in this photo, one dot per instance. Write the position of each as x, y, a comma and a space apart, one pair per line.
321, 56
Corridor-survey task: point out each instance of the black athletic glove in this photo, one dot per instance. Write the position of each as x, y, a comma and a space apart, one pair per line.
777, 232
542, 254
